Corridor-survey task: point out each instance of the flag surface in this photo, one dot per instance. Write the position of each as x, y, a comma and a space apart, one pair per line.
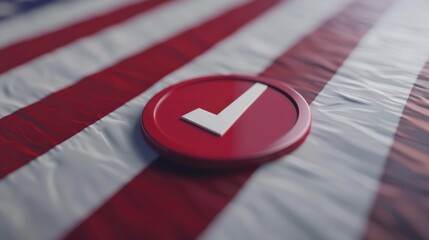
75, 76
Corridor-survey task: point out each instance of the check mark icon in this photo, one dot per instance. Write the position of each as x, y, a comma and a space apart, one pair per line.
220, 123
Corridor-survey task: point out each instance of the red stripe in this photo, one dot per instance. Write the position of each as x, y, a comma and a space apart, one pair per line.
311, 64
169, 202
24, 51
401, 209
33, 130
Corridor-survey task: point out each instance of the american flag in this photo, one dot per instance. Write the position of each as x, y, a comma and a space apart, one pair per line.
75, 76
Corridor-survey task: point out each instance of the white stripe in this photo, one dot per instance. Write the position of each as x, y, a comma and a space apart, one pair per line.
35, 80
325, 189
59, 189
61, 14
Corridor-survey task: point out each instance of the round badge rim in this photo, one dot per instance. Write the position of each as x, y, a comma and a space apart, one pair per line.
289, 142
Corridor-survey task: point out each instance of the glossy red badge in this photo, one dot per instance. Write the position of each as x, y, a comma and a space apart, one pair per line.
226, 121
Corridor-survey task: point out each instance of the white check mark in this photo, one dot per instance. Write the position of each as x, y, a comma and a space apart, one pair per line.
220, 123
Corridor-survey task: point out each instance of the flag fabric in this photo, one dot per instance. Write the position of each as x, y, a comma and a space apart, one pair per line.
75, 76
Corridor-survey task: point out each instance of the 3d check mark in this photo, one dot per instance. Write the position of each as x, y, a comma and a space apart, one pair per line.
220, 123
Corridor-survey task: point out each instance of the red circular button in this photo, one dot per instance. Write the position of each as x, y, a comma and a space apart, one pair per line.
228, 121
